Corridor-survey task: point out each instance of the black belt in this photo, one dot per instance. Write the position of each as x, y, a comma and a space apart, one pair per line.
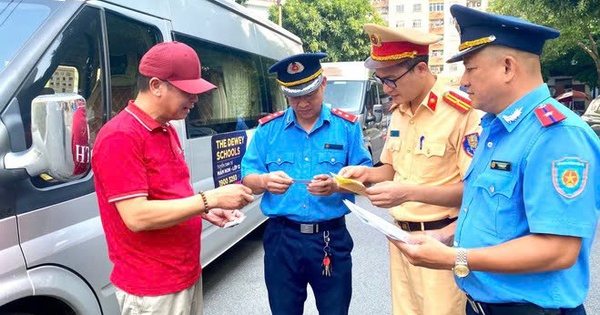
424, 226
311, 227
511, 308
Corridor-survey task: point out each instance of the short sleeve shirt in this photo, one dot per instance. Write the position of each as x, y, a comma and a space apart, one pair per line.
282, 145
135, 156
432, 147
526, 178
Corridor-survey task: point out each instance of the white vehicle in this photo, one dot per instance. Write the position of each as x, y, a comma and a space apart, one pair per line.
351, 88
66, 68
592, 115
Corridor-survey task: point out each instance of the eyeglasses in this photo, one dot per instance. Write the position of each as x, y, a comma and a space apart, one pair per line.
392, 82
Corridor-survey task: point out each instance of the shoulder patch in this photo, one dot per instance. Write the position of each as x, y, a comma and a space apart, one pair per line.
270, 117
458, 101
548, 115
432, 101
344, 115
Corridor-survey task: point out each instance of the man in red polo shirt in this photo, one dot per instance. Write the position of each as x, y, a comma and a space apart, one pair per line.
151, 217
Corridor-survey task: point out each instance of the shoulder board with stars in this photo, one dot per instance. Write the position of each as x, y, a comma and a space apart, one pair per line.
270, 117
548, 115
344, 115
458, 101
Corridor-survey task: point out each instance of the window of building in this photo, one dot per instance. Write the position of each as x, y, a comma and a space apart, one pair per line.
436, 23
416, 23
399, 23
474, 4
437, 53
436, 7
417, 7
400, 8
437, 69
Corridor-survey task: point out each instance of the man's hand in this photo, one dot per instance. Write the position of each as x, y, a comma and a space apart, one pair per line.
276, 182
425, 251
322, 185
360, 173
219, 217
389, 194
230, 197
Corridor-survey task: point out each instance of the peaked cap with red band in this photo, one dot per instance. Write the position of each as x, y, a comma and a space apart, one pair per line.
390, 46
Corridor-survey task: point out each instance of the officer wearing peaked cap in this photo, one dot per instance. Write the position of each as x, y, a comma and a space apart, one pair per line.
431, 139
514, 250
290, 159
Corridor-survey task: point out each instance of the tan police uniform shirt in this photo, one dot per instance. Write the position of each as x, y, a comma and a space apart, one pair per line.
428, 148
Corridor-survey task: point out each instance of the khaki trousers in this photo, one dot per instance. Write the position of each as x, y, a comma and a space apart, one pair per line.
186, 302
422, 291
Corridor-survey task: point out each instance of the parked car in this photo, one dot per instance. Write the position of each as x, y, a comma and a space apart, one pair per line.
592, 115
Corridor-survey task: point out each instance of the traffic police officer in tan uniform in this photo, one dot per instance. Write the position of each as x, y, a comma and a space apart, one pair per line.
431, 139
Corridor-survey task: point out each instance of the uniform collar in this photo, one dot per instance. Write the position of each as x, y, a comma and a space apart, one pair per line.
290, 117
429, 102
512, 116
144, 119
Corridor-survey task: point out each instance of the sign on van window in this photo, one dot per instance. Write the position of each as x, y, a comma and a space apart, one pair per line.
228, 150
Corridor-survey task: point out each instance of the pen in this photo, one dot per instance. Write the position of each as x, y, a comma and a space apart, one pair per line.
421, 142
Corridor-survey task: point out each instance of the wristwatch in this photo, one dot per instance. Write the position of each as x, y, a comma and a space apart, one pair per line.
461, 268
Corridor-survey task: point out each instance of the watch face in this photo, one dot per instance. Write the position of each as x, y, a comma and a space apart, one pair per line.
461, 271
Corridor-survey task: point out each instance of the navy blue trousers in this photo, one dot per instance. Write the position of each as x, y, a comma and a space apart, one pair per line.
293, 260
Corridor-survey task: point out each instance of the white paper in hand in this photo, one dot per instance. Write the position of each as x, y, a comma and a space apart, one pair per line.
378, 223
235, 221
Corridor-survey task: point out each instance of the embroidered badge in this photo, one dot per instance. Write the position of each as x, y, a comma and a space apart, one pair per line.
514, 116
432, 102
470, 143
394, 133
500, 165
295, 67
569, 176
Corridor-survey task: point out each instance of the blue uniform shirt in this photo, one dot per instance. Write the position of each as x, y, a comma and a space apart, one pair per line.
526, 178
282, 145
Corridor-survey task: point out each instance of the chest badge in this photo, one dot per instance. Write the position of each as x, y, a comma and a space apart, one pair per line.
500, 165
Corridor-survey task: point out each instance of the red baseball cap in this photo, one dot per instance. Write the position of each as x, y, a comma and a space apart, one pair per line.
176, 63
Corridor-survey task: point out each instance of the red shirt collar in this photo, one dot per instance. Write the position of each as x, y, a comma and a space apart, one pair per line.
148, 122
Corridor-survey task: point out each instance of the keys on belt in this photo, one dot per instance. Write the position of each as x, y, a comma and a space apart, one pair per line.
424, 226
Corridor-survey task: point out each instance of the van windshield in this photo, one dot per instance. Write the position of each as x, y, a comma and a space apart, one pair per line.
18, 21
345, 95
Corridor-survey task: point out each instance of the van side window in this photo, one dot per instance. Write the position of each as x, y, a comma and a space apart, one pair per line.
236, 102
128, 40
72, 64
277, 100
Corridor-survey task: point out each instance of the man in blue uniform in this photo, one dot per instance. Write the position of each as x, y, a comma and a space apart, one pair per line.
290, 158
531, 201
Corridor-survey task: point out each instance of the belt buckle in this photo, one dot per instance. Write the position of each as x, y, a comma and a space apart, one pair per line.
405, 226
476, 306
308, 228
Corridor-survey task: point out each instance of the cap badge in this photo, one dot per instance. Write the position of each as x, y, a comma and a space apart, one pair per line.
477, 42
375, 40
295, 67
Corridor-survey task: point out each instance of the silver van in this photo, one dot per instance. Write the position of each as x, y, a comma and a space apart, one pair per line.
351, 88
66, 68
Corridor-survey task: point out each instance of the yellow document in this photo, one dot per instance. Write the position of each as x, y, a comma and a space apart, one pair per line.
350, 184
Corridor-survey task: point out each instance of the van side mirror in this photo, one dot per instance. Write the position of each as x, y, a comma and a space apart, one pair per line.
378, 112
60, 139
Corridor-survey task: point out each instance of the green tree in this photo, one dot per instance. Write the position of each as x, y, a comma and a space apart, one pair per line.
331, 26
576, 51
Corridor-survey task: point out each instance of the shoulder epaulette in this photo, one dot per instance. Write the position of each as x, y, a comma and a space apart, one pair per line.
432, 101
347, 116
458, 101
548, 115
270, 117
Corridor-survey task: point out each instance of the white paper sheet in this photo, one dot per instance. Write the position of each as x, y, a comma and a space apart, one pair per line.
378, 223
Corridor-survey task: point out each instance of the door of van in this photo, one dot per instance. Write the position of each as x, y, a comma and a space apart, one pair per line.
375, 127
59, 229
